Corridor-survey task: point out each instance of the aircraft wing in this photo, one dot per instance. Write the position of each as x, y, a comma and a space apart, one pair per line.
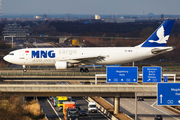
86, 59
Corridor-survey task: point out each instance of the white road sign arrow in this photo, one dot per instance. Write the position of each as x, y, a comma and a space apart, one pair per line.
179, 101
161, 98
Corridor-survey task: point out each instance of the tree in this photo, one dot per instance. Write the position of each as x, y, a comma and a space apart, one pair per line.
11, 108
146, 32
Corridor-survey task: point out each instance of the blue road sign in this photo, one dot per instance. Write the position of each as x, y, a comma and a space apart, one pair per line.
122, 74
151, 74
168, 94
165, 78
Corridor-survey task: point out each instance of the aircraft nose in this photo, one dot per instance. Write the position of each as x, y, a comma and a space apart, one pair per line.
5, 58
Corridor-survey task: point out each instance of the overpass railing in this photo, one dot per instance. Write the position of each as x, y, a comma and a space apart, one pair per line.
9, 74
78, 88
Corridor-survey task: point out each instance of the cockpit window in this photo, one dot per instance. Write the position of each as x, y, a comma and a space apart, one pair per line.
11, 53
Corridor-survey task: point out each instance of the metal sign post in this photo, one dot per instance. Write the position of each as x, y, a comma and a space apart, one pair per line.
96, 75
12, 39
135, 106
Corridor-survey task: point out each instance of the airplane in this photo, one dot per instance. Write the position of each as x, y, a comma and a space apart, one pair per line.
63, 58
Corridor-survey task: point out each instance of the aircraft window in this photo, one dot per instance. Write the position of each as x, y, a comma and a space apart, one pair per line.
11, 53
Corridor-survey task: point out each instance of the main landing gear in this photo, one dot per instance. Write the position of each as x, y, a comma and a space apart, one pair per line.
84, 70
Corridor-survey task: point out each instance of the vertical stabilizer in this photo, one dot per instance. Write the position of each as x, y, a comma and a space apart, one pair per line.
160, 37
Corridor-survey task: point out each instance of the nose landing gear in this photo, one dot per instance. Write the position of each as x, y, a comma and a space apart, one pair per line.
24, 68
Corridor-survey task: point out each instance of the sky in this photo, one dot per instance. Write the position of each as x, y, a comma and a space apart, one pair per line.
105, 7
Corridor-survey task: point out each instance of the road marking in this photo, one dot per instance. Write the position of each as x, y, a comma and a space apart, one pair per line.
54, 110
153, 103
146, 103
162, 111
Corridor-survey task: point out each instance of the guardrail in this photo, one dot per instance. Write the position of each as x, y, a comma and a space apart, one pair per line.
103, 110
9, 74
50, 68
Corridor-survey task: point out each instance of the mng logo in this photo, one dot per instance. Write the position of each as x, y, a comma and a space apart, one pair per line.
42, 54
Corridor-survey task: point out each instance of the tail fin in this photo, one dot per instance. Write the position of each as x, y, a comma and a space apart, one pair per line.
160, 37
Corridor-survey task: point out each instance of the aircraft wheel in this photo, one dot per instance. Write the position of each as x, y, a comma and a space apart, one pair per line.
81, 70
86, 70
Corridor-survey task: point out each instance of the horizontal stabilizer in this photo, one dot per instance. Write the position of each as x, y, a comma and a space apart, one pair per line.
161, 50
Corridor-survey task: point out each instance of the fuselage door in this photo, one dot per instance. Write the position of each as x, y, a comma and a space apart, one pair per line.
22, 54
27, 52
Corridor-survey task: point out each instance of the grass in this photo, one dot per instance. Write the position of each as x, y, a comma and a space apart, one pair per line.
12, 108
171, 68
33, 108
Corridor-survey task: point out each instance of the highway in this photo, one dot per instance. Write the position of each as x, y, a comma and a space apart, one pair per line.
48, 110
52, 115
146, 110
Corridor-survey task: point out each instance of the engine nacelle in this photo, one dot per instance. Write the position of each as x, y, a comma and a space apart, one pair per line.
63, 65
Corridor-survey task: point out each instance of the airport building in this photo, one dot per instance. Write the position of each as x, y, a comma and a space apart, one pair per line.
118, 20
14, 30
97, 17
40, 16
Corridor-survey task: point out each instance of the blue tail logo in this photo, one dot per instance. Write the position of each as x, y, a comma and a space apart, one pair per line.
160, 37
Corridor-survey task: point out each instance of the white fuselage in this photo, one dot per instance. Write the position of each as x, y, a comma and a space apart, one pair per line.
115, 55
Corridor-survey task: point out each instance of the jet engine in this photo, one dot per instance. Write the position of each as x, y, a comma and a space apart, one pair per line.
63, 65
